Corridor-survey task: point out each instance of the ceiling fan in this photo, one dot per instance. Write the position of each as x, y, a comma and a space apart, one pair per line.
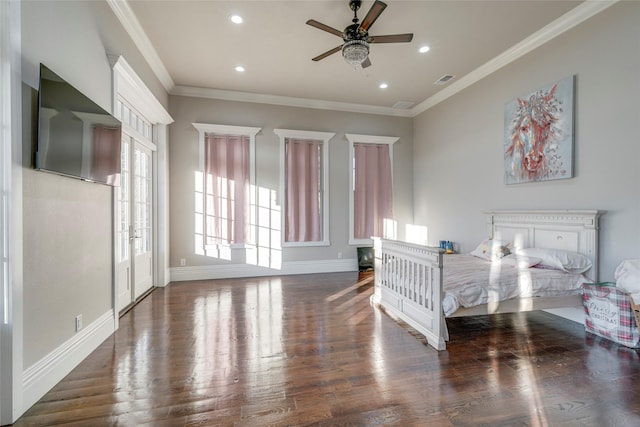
355, 49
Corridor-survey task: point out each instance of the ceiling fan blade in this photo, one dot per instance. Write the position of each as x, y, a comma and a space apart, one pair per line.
393, 38
324, 27
366, 63
375, 11
327, 53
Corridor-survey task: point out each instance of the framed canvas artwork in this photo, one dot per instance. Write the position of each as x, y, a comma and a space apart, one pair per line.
538, 134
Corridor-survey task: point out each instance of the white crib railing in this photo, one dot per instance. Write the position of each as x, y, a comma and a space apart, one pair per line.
408, 285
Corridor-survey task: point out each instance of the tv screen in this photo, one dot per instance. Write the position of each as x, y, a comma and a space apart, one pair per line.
76, 137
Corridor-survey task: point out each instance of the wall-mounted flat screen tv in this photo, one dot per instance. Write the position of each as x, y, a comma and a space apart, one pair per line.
76, 137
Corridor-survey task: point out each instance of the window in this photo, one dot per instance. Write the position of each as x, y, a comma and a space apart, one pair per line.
304, 187
371, 184
228, 181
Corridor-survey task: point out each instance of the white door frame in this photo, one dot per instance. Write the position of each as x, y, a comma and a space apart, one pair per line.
11, 310
127, 85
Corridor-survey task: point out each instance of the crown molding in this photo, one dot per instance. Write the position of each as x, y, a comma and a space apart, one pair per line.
564, 23
228, 95
132, 26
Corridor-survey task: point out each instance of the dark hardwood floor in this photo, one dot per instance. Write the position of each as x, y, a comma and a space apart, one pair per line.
311, 350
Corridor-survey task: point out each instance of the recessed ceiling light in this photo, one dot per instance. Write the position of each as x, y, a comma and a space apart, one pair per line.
240, 69
236, 19
424, 49
383, 86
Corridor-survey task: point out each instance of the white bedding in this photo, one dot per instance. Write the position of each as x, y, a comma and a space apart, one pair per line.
471, 281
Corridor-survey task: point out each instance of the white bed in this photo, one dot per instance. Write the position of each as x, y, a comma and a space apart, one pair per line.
410, 279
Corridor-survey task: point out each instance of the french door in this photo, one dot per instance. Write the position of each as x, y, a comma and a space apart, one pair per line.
134, 211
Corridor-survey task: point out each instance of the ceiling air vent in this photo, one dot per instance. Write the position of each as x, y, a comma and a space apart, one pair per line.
403, 105
444, 79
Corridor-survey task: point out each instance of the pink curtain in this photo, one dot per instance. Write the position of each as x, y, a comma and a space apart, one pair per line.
106, 158
373, 201
302, 203
226, 207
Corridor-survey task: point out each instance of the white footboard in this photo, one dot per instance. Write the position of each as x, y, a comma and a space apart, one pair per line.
408, 285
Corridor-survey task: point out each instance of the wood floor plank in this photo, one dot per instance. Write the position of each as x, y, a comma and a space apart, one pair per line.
312, 351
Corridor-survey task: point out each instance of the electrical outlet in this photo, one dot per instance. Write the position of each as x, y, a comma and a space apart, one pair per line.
183, 262
339, 255
78, 322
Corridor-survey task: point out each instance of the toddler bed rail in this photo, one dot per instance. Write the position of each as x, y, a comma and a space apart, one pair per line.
408, 285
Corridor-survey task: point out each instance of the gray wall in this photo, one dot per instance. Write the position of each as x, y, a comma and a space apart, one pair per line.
458, 145
183, 162
68, 255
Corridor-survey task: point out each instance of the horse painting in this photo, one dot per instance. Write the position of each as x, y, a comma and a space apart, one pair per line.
538, 135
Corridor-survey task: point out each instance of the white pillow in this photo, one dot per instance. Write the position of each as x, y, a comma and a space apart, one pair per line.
571, 262
627, 275
490, 249
521, 261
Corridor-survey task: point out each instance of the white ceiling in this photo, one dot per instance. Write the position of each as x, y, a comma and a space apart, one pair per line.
194, 48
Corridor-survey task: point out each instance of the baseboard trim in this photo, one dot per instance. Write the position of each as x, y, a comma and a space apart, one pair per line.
228, 271
39, 378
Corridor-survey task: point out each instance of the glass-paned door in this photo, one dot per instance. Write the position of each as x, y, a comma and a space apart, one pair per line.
134, 210
142, 219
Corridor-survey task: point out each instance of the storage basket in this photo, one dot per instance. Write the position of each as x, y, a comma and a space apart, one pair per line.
609, 314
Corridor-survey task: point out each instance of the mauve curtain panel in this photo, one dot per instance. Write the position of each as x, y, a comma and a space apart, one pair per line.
302, 191
373, 200
226, 206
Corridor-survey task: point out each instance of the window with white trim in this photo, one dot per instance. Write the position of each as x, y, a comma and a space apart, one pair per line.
304, 187
227, 190
371, 188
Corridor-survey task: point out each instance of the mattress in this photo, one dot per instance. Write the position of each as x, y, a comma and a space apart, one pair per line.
470, 281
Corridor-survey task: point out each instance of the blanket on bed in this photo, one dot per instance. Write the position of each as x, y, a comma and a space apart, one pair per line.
470, 281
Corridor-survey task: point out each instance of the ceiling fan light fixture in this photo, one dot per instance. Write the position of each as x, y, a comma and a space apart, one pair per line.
355, 52
355, 49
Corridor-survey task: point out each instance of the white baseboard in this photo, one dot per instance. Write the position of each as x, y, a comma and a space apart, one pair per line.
48, 371
228, 271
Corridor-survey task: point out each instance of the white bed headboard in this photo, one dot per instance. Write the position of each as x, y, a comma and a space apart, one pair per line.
570, 230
